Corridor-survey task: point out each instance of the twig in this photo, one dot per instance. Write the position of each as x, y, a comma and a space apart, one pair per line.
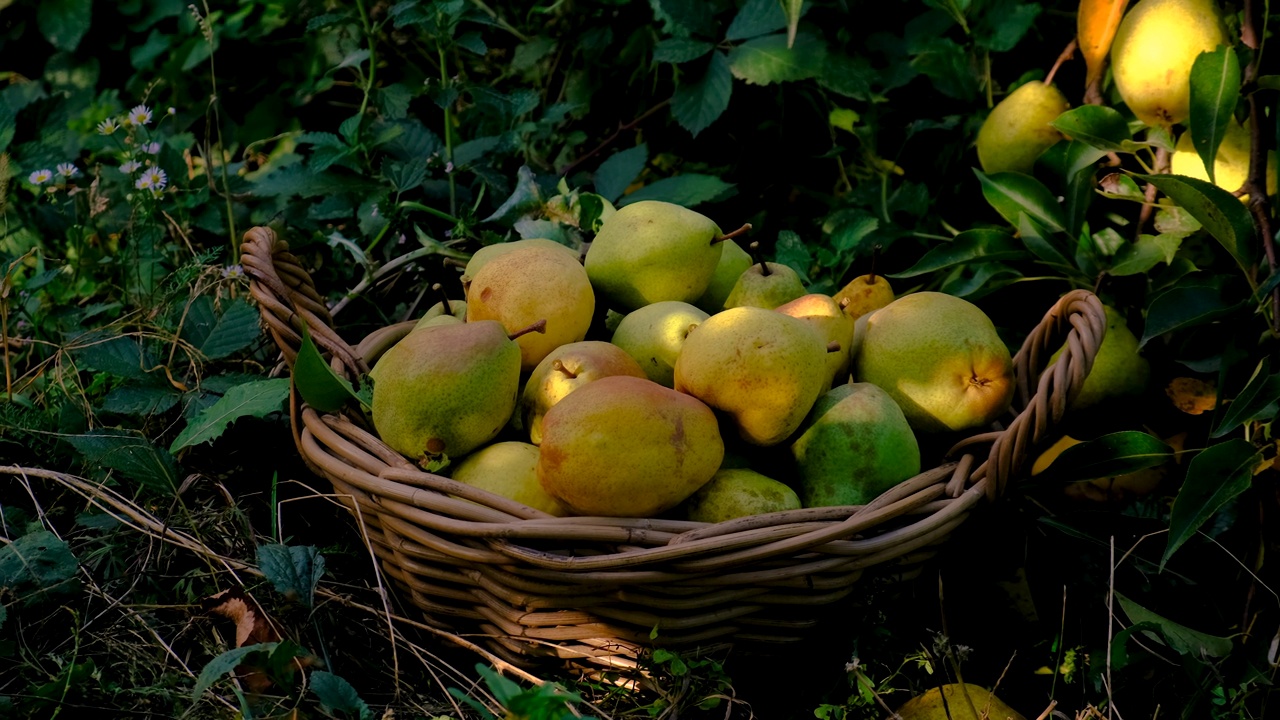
609, 140
1111, 596
1064, 56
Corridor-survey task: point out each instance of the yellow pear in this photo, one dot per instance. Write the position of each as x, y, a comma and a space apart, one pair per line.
654, 334
940, 358
650, 251
509, 469
627, 447
822, 312
446, 390
489, 252
733, 262
762, 368
566, 369
865, 294
1230, 167
534, 283
735, 493
1155, 47
950, 703
1018, 131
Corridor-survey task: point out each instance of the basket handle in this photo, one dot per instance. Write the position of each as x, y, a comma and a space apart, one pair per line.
1077, 320
289, 302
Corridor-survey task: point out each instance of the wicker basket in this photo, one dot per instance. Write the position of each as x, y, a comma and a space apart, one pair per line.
592, 591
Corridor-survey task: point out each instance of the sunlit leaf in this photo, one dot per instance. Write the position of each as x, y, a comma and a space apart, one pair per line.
1220, 212
1215, 90
1095, 125
1012, 194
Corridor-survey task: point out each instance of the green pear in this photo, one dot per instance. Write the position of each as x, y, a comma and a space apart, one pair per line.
437, 321
1153, 52
822, 312
735, 493
650, 251
762, 368
489, 252
446, 390
456, 309
765, 285
939, 357
627, 447
566, 369
733, 262
509, 469
1118, 370
1018, 131
864, 294
654, 334
854, 445
533, 283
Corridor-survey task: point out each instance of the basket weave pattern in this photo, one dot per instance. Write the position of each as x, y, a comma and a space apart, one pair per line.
593, 589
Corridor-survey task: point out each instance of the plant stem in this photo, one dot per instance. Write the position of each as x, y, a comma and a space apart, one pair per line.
448, 133
222, 149
609, 140
370, 38
410, 205
1256, 183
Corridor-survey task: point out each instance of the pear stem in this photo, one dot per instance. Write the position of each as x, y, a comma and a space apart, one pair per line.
538, 327
833, 346
844, 302
1065, 56
730, 235
444, 298
559, 367
875, 257
754, 249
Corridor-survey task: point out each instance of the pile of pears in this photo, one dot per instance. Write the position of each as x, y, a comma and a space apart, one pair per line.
721, 387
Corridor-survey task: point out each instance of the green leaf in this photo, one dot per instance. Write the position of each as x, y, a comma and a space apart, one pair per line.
525, 197
1002, 25
129, 453
975, 281
294, 571
615, 174
218, 335
1215, 90
971, 246
792, 252
759, 17
767, 60
696, 105
64, 22
335, 693
321, 387
473, 42
1095, 125
1121, 187
1254, 402
688, 190
1012, 194
1149, 251
1107, 456
1180, 638
850, 77
1220, 212
1214, 477
1184, 306
1033, 236
680, 50
257, 399
140, 400
122, 356
224, 664
38, 565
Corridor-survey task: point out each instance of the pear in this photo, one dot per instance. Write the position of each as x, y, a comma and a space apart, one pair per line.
854, 445
489, 252
939, 357
654, 334
1018, 131
825, 316
509, 469
566, 369
650, 251
531, 283
1151, 58
762, 368
733, 262
627, 447
735, 493
446, 390
948, 702
865, 294
1230, 166
765, 285
1118, 370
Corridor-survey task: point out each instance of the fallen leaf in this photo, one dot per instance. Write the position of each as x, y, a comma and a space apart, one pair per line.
252, 626
1192, 396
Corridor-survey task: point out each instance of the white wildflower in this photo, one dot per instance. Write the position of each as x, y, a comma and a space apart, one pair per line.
108, 126
40, 177
139, 115
130, 166
152, 148
67, 170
